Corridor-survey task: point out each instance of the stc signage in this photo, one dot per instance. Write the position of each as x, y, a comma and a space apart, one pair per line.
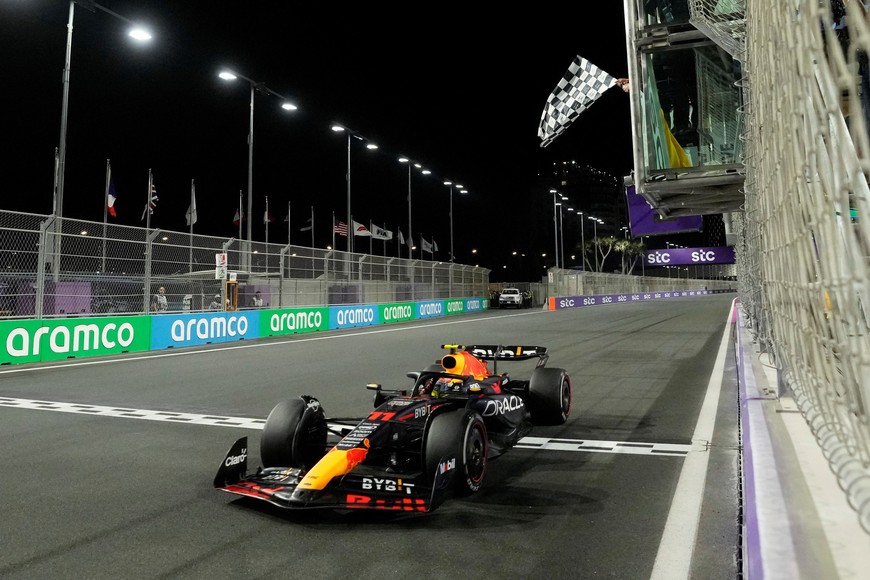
689, 256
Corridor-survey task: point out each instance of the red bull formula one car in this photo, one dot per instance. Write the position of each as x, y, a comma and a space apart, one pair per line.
418, 447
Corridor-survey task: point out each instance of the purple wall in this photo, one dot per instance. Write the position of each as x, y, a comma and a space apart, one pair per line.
646, 222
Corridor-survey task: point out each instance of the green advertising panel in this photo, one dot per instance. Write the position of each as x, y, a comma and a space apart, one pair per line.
397, 312
293, 321
454, 306
43, 340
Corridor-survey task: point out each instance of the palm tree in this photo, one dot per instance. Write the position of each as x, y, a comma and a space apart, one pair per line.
631, 250
607, 244
622, 246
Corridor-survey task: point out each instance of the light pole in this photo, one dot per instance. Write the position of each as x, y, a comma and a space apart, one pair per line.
555, 228
450, 185
463, 191
229, 75
595, 236
582, 241
404, 159
137, 33
410, 235
369, 145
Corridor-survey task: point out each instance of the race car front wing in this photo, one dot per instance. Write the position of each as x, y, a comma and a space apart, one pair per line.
365, 489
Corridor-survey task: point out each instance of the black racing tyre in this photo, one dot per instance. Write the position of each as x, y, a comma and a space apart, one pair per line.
294, 434
549, 399
459, 436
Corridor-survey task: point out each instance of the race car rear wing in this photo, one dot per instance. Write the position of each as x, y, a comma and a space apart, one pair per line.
502, 352
499, 352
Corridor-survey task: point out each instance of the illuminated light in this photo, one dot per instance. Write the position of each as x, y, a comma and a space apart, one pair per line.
139, 34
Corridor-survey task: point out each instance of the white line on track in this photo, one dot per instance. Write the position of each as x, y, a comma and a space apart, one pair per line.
540, 443
674, 558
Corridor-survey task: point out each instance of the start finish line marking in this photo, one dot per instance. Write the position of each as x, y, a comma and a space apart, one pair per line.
542, 443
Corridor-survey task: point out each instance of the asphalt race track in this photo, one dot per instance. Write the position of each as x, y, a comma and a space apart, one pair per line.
107, 464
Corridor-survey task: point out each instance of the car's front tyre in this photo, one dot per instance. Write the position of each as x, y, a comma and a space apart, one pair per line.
294, 434
457, 440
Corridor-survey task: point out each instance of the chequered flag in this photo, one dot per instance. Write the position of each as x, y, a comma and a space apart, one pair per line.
581, 85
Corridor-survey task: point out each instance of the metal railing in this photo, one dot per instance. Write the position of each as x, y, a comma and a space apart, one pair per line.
52, 267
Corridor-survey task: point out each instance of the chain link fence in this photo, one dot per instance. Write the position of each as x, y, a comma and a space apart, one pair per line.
804, 240
65, 267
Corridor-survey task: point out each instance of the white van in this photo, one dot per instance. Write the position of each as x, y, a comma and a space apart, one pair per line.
510, 297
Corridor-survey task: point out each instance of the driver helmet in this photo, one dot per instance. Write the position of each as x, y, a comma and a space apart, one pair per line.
443, 386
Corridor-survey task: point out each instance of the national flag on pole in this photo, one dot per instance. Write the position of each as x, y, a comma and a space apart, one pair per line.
267, 218
191, 209
340, 228
579, 87
239, 217
382, 234
401, 238
424, 245
110, 199
434, 244
307, 228
149, 207
360, 230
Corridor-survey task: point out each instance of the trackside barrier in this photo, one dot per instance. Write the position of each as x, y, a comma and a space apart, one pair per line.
560, 302
29, 341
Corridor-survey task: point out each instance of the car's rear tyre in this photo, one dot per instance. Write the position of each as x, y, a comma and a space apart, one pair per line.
294, 434
457, 440
549, 399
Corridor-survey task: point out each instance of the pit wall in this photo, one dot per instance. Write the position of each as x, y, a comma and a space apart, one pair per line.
30, 341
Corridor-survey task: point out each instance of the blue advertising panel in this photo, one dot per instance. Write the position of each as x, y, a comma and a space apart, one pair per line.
169, 330
689, 256
430, 309
351, 316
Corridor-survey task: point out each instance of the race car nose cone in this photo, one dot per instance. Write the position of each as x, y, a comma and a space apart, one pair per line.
304, 495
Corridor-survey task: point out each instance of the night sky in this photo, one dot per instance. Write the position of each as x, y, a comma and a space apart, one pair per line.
457, 88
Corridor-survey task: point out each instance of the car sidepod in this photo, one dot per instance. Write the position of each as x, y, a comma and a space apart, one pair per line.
549, 398
507, 419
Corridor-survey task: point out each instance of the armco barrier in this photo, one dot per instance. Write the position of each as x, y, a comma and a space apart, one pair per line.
29, 341
559, 302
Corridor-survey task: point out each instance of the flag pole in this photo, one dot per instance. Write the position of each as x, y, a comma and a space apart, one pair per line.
334, 252
190, 220
312, 228
148, 205
288, 223
371, 252
266, 221
105, 215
